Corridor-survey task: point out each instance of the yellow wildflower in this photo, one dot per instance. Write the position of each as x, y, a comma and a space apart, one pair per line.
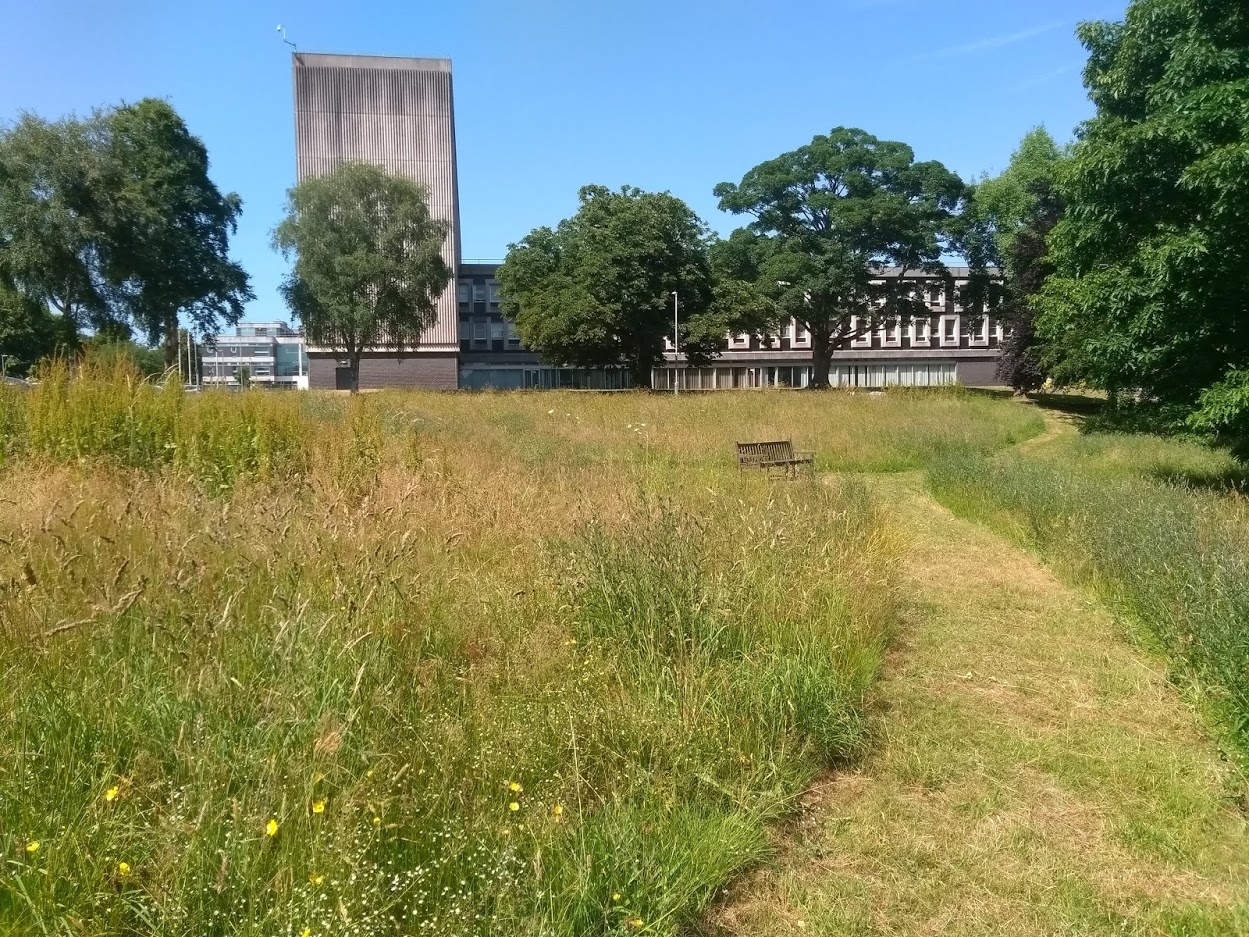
615, 896
123, 869
271, 828
513, 806
110, 795
558, 810
514, 787
636, 922
377, 821
306, 932
32, 847
316, 879
318, 806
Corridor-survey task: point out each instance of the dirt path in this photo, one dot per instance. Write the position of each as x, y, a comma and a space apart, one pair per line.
1034, 774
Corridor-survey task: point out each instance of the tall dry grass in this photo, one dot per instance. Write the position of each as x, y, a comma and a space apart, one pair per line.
414, 664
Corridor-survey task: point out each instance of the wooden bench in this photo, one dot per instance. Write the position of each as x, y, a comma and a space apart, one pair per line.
770, 456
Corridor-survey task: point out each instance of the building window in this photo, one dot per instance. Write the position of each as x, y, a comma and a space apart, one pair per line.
739, 341
860, 341
934, 296
481, 332
464, 293
949, 331
802, 337
496, 330
479, 292
978, 331
513, 339
494, 291
891, 333
921, 332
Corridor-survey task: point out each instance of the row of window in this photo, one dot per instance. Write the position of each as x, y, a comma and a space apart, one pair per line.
489, 292
868, 376
544, 378
480, 331
241, 351
918, 331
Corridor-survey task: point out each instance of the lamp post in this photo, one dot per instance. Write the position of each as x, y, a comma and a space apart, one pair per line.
676, 346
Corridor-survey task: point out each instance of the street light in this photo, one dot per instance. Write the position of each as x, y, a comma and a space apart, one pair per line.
676, 345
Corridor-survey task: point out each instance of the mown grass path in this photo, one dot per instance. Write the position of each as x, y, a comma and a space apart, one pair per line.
1033, 773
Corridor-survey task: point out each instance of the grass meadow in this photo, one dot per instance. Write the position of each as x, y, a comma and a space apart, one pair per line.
428, 664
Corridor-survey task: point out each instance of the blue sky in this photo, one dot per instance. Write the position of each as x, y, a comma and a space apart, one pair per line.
550, 96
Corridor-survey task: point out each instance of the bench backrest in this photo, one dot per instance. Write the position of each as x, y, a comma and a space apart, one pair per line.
761, 453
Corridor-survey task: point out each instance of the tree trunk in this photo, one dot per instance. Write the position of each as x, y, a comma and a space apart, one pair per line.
640, 368
821, 356
355, 372
169, 341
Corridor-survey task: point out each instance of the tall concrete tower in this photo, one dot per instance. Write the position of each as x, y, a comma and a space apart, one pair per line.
398, 114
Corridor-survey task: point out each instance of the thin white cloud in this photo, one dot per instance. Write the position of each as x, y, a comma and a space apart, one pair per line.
996, 42
1047, 76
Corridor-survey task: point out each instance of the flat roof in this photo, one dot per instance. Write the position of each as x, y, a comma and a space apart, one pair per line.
391, 62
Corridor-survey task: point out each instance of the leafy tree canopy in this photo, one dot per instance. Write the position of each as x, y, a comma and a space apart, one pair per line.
1007, 203
828, 216
1005, 225
597, 290
170, 227
53, 215
369, 264
113, 219
1152, 291
29, 332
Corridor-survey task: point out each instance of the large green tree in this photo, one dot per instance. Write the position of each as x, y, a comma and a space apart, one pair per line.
828, 216
596, 291
1152, 287
369, 264
169, 227
112, 220
1006, 222
53, 216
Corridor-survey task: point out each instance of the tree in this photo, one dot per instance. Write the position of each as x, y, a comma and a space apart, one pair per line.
29, 331
113, 219
53, 216
106, 349
1152, 257
828, 217
1011, 216
597, 290
368, 260
169, 227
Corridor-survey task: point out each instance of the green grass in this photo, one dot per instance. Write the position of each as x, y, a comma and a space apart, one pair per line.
1138, 519
1032, 773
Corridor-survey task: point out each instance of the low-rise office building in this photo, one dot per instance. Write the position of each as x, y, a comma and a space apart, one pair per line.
950, 345
268, 354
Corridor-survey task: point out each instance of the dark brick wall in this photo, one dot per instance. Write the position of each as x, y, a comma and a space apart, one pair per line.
978, 372
420, 370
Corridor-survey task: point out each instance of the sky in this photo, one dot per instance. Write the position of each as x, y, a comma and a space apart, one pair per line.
673, 95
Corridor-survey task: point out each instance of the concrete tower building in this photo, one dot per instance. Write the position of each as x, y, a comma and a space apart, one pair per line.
396, 113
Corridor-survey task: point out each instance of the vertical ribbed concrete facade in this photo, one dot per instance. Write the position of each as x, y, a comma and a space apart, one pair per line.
396, 113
